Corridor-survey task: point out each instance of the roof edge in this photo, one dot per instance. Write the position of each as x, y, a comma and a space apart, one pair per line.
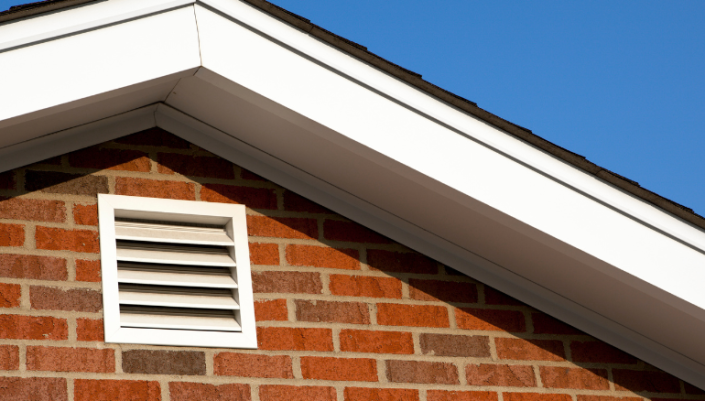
40, 7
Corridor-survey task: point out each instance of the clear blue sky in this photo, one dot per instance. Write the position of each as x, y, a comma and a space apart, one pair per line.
620, 82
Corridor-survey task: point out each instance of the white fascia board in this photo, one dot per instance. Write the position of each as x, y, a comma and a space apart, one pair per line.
508, 175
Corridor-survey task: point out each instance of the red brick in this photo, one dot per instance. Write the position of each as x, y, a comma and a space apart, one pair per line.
452, 345
254, 198
599, 352
576, 378
110, 159
250, 365
89, 329
195, 166
296, 203
334, 312
422, 372
296, 393
500, 375
282, 227
116, 390
494, 297
181, 391
608, 398
88, 270
690, 389
33, 388
274, 309
7, 180
288, 282
362, 286
155, 188
10, 295
652, 382
164, 362
530, 350
442, 395
75, 299
33, 328
11, 235
380, 394
490, 319
351, 232
59, 239
536, 397
444, 291
320, 256
340, 369
379, 342
250, 176
294, 339
32, 209
33, 267
412, 315
85, 215
62, 183
401, 262
9, 357
154, 137
56, 359
544, 324
264, 254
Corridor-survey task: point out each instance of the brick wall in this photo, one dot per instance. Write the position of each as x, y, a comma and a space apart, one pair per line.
343, 313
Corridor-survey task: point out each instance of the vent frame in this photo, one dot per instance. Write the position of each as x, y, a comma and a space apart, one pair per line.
229, 216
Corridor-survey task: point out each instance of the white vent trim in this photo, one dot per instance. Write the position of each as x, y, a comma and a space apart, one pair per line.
175, 273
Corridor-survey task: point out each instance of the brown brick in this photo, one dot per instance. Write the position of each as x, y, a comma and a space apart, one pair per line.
164, 362
296, 393
59, 239
110, 159
254, 198
288, 282
529, 350
422, 372
89, 329
7, 180
33, 267
412, 315
576, 378
490, 319
250, 176
154, 137
62, 183
400, 262
362, 286
340, 369
85, 215
195, 166
11, 234
52, 161
55, 359
181, 391
650, 381
116, 390
250, 365
282, 227
33, 388
599, 352
690, 389
608, 398
352, 232
536, 397
452, 345
442, 395
380, 394
10, 295
379, 342
75, 299
294, 339
544, 324
295, 203
264, 254
500, 375
334, 312
494, 297
274, 309
444, 291
320, 256
155, 188
88, 270
9, 357
32, 209
33, 328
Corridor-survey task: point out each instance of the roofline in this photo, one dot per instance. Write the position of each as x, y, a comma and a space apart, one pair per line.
41, 7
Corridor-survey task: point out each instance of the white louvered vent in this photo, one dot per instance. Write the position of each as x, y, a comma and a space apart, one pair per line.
180, 278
